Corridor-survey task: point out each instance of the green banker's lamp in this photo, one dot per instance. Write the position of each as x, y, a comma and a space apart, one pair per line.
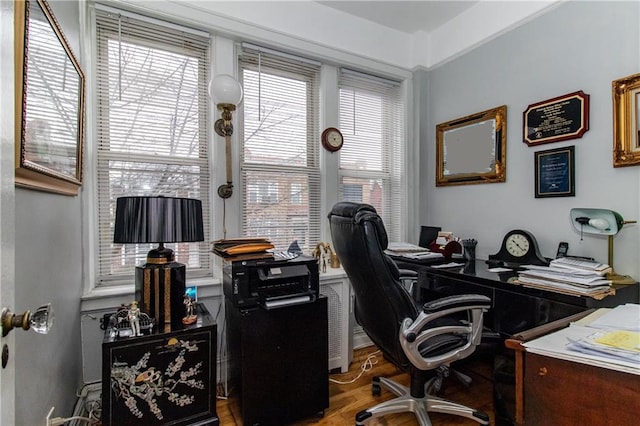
602, 222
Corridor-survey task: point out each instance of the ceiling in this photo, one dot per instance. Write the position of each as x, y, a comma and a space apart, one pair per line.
406, 16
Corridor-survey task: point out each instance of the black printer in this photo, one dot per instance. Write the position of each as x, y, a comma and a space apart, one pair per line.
271, 283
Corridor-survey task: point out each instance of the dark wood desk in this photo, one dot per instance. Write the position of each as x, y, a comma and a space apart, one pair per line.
514, 308
551, 390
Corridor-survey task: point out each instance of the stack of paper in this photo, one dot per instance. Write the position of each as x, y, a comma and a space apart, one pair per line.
411, 251
580, 265
564, 278
245, 248
611, 340
620, 344
403, 248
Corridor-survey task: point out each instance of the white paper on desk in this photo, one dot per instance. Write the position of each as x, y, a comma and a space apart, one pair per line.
500, 269
623, 317
421, 256
402, 247
555, 345
448, 265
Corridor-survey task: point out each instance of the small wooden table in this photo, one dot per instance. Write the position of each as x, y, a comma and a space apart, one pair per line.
553, 391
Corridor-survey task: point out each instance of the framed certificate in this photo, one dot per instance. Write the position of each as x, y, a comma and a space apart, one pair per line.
558, 119
555, 174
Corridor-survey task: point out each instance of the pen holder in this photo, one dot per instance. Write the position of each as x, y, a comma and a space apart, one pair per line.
469, 247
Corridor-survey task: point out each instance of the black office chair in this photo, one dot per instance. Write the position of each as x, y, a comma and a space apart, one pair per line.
421, 341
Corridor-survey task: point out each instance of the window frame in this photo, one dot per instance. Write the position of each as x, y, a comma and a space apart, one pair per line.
104, 283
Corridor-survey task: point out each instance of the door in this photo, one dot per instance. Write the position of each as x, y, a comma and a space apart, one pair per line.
7, 198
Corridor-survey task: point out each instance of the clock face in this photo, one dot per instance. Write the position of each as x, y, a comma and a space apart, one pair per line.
334, 139
517, 245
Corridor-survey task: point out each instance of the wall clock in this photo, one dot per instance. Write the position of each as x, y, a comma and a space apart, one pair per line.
518, 248
332, 139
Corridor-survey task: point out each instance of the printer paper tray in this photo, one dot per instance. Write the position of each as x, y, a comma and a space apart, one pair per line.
284, 301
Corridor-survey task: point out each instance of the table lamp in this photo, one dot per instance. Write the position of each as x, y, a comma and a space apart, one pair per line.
160, 282
601, 222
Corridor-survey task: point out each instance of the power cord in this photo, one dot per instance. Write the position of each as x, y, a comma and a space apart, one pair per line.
367, 365
58, 421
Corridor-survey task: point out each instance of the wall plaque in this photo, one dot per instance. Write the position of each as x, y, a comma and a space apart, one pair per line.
555, 174
558, 119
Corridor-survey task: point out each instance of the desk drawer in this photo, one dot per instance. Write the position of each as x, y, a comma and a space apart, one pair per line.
559, 392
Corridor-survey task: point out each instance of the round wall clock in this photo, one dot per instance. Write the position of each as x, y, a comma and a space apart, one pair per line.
332, 139
518, 248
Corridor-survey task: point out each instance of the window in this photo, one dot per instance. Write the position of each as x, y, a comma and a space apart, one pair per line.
280, 166
371, 160
151, 129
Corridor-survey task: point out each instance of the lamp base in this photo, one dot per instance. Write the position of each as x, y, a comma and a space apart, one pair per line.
617, 279
160, 291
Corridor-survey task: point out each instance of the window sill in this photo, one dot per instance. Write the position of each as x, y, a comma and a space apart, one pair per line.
111, 297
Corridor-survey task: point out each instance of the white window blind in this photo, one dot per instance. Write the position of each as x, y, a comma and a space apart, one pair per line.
371, 160
151, 129
280, 165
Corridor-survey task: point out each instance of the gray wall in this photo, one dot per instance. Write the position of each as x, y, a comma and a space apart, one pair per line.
576, 46
48, 268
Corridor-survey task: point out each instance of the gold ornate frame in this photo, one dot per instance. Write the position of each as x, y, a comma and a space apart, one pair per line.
626, 121
461, 136
49, 103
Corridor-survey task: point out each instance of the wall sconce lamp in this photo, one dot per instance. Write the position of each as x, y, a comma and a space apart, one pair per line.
227, 93
602, 222
40, 321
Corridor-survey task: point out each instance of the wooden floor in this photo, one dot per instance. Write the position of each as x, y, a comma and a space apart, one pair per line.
348, 399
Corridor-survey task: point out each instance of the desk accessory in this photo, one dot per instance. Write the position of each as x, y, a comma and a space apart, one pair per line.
601, 222
469, 249
447, 250
519, 247
159, 283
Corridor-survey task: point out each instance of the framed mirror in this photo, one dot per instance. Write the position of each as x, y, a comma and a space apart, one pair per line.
626, 121
472, 149
49, 103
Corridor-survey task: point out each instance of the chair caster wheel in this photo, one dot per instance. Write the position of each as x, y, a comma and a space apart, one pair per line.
376, 390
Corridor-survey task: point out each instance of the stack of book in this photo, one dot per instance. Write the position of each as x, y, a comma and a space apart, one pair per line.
243, 248
570, 276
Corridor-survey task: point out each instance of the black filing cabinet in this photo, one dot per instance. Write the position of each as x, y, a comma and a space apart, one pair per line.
278, 360
161, 378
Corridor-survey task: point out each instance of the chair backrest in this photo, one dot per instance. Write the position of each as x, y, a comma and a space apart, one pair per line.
381, 302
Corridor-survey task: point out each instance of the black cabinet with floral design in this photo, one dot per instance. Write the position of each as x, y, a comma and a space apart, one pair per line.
161, 378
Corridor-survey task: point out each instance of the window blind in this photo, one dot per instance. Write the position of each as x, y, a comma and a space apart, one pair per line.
371, 160
151, 129
280, 157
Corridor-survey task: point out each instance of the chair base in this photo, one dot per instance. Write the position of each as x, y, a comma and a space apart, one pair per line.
420, 407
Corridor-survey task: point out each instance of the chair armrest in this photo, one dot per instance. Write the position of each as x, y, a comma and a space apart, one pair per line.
414, 333
461, 300
408, 274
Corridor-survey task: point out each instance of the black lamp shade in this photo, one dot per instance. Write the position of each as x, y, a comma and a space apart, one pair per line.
158, 220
